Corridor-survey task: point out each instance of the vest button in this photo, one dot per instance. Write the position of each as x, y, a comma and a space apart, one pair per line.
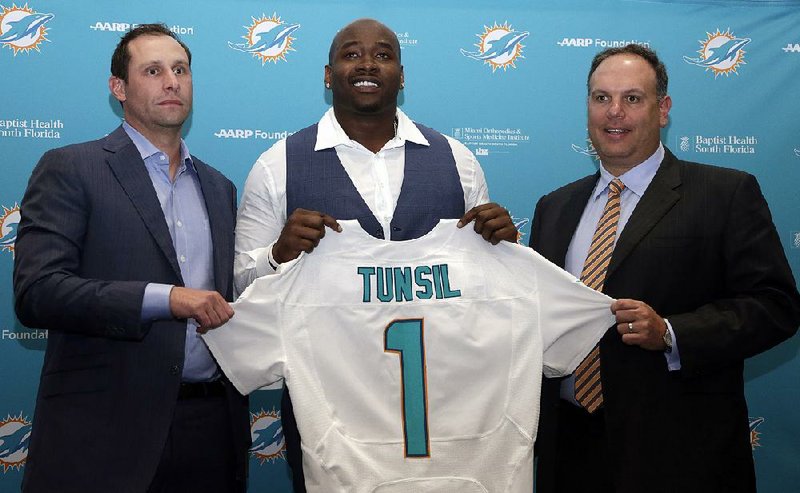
174, 369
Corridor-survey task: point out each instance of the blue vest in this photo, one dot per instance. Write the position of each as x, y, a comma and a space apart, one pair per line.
431, 187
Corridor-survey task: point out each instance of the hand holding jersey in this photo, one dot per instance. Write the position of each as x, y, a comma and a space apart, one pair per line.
304, 229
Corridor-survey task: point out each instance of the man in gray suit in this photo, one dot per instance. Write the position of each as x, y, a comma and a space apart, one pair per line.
124, 254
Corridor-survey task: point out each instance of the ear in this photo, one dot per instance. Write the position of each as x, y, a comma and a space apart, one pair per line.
663, 108
117, 88
327, 76
402, 77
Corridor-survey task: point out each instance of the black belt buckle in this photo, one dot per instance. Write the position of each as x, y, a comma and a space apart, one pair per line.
197, 390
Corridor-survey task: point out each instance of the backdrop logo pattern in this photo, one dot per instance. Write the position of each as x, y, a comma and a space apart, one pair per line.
600, 43
9, 222
15, 432
797, 152
589, 150
719, 144
795, 239
500, 46
267, 38
499, 140
22, 29
755, 436
266, 432
519, 223
721, 53
792, 48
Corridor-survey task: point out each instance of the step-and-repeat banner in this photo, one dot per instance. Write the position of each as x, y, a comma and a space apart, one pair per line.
518, 104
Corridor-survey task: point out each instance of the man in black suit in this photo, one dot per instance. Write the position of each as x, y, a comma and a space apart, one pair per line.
701, 282
124, 254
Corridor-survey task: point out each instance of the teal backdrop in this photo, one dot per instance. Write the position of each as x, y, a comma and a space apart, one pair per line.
522, 112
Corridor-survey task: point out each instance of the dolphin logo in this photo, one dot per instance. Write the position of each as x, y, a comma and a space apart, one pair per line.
725, 53
267, 437
262, 42
498, 47
15, 442
24, 27
11, 236
586, 151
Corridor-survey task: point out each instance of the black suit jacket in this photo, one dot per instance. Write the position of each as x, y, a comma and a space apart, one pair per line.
701, 249
91, 236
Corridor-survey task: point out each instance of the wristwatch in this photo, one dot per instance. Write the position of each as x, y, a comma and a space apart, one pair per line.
667, 338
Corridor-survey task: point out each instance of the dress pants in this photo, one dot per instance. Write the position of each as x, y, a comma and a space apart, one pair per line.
582, 451
199, 454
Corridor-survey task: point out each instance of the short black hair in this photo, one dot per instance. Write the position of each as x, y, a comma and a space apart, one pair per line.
662, 80
335, 41
121, 57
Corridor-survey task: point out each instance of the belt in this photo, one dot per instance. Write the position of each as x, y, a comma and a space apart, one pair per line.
194, 390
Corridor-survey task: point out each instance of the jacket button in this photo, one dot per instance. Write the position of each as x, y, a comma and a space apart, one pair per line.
174, 369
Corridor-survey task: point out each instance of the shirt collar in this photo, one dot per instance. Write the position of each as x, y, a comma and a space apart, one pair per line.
147, 149
330, 133
636, 179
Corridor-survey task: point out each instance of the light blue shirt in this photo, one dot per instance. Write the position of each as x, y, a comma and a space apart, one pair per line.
187, 219
636, 181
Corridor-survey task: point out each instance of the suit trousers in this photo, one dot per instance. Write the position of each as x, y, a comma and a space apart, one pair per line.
199, 454
582, 451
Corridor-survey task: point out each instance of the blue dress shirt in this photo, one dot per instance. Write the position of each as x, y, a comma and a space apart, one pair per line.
636, 181
187, 218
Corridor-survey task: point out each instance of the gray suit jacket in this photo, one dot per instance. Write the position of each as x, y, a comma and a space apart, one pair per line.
91, 236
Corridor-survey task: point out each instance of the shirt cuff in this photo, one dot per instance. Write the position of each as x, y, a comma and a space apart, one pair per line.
673, 357
155, 304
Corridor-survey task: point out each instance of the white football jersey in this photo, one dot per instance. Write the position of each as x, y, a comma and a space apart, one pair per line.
413, 365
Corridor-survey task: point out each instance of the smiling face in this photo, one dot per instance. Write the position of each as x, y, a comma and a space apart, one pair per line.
157, 97
625, 113
364, 71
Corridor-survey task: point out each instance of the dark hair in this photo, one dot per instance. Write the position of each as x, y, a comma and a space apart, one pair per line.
121, 57
335, 41
641, 51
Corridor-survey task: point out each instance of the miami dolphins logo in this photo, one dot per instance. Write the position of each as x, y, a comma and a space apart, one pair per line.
9, 222
755, 435
589, 150
519, 223
499, 46
266, 432
721, 53
15, 432
268, 39
22, 29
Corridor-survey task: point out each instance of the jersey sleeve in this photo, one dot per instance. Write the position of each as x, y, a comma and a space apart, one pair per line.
249, 348
572, 318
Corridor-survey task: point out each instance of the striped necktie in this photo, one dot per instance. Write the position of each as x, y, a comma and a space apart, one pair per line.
588, 389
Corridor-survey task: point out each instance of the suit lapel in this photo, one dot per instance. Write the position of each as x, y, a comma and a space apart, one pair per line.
217, 206
127, 165
660, 196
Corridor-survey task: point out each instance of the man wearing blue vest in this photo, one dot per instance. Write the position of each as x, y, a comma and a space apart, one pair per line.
365, 160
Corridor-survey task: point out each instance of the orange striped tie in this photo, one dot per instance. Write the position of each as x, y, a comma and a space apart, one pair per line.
588, 389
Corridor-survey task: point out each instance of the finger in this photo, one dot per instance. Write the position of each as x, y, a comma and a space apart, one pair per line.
624, 304
467, 218
331, 222
473, 213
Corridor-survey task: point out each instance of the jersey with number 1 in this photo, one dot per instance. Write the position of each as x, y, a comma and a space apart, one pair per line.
413, 365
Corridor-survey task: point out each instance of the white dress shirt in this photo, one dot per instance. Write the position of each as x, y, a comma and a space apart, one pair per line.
378, 177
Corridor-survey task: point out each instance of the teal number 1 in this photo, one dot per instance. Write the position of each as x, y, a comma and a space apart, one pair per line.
405, 337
